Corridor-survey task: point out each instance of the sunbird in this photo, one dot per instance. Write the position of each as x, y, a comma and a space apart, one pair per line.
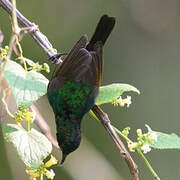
75, 83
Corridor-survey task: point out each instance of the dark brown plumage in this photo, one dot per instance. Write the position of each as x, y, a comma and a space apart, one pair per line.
74, 85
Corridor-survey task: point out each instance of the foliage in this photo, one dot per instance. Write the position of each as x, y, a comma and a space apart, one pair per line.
26, 86
32, 147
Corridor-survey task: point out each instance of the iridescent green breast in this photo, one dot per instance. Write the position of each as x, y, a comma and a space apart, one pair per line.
72, 100
70, 103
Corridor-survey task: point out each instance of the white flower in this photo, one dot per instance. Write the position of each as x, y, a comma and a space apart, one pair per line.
139, 132
50, 174
122, 102
153, 136
128, 101
145, 148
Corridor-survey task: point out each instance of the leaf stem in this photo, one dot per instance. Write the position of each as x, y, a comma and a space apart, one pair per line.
122, 135
41, 176
21, 53
28, 125
148, 164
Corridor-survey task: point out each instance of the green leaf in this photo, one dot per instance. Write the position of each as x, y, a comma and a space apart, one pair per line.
32, 147
166, 141
26, 87
29, 62
109, 93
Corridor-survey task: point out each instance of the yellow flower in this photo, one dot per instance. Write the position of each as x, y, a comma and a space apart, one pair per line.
132, 146
51, 162
33, 173
30, 116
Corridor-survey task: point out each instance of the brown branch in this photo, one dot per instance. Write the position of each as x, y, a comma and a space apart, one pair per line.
39, 37
124, 153
42, 40
44, 127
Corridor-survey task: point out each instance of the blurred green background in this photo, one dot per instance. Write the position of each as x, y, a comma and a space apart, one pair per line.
143, 50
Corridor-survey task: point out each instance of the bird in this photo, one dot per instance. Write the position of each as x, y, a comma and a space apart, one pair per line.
74, 85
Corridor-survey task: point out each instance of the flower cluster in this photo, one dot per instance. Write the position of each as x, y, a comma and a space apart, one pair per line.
42, 170
144, 140
4, 52
125, 131
35, 66
122, 102
24, 114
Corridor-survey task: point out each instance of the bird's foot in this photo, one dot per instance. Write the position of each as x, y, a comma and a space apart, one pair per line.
55, 58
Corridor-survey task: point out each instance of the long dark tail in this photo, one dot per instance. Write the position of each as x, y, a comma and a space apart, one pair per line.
103, 30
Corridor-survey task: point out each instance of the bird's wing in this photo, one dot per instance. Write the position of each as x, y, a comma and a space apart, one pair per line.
76, 64
77, 61
96, 70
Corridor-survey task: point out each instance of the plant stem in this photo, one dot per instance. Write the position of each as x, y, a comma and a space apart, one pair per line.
21, 53
39, 37
4, 102
28, 125
11, 42
41, 177
16, 32
122, 135
148, 164
14, 18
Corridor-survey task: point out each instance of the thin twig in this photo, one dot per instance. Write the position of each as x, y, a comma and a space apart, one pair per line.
42, 40
4, 102
16, 33
42, 124
148, 164
1, 38
41, 177
11, 44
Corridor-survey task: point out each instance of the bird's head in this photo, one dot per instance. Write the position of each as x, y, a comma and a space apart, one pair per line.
70, 140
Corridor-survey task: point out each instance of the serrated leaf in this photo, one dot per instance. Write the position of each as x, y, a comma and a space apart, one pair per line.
32, 147
109, 93
26, 87
166, 141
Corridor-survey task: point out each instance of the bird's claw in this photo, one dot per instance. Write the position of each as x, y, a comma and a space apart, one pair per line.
55, 58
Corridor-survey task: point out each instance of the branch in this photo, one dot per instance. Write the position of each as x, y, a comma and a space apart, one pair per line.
1, 38
42, 124
42, 40
39, 37
103, 117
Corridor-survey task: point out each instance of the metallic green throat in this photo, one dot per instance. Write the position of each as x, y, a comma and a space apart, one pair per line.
72, 100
